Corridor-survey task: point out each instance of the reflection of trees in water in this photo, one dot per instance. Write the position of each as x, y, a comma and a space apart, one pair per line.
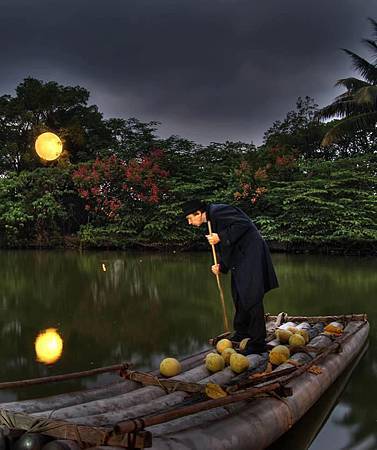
324, 284
142, 306
156, 305
360, 399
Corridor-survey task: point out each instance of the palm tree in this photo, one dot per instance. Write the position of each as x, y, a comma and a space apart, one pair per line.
357, 107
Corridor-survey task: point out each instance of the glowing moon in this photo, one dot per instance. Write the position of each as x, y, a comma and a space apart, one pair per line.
48, 146
48, 346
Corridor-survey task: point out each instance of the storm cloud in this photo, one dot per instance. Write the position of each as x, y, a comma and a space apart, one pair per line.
207, 70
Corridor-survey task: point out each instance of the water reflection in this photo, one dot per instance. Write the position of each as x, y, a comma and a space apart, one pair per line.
48, 346
148, 306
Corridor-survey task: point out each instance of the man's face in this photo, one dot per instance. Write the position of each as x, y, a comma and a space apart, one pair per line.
195, 219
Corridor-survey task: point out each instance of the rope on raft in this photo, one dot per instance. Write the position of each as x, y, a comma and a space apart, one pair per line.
94, 436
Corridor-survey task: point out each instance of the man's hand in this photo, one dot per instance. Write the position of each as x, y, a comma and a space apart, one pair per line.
213, 238
215, 269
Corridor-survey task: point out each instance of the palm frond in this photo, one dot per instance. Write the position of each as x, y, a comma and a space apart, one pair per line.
366, 69
346, 96
349, 126
351, 83
341, 108
367, 96
374, 25
371, 44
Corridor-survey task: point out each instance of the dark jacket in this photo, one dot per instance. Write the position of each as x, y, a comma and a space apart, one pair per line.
244, 252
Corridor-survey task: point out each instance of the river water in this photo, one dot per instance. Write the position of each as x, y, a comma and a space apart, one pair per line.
110, 307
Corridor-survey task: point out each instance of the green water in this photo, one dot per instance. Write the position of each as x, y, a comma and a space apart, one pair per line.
145, 306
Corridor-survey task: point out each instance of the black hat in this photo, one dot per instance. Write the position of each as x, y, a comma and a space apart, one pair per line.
192, 206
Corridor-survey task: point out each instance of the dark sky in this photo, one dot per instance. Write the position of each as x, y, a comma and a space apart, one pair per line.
208, 70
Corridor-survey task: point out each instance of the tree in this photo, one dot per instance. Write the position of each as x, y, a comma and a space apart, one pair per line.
39, 107
39, 207
131, 138
357, 107
299, 133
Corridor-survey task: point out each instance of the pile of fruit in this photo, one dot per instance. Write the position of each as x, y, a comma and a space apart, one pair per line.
289, 334
226, 356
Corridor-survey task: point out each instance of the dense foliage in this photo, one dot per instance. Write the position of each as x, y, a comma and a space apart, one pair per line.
117, 185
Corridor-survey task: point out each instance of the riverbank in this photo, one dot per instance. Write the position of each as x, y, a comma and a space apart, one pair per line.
308, 246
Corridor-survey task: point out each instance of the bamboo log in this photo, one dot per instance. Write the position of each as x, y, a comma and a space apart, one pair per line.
130, 426
325, 319
123, 401
79, 397
39, 405
164, 401
201, 420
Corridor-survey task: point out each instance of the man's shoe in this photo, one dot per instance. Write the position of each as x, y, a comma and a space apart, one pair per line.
237, 337
254, 350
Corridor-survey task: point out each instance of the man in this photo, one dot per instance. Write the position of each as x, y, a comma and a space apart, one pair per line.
243, 251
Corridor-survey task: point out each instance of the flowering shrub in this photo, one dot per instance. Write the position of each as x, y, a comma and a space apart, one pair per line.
281, 157
109, 186
250, 182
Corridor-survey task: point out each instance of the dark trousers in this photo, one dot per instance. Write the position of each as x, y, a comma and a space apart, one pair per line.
250, 323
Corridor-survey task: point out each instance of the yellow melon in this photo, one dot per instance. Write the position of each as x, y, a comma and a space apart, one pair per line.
170, 367
214, 362
296, 339
279, 355
226, 354
283, 335
238, 362
293, 330
223, 344
304, 333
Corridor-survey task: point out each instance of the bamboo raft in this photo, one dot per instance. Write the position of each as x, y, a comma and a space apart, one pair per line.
196, 409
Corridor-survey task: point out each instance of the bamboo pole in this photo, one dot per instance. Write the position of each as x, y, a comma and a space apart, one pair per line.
130, 426
311, 319
64, 377
226, 323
